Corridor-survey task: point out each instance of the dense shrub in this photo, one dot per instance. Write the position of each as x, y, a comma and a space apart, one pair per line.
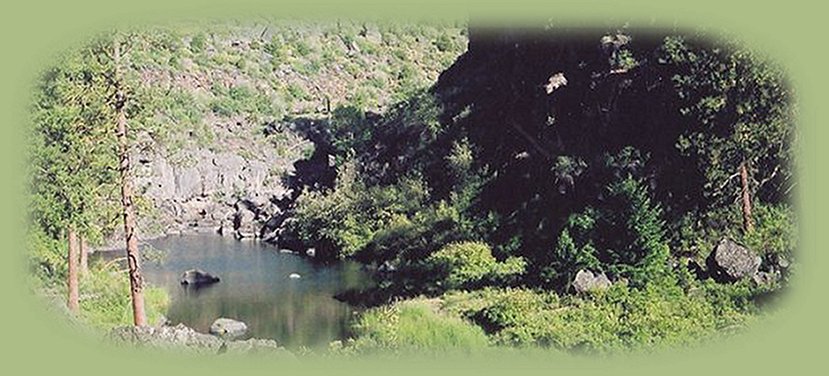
344, 220
618, 319
774, 231
470, 263
414, 325
624, 236
105, 299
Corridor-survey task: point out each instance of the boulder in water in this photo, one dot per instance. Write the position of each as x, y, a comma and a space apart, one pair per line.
294, 276
197, 277
228, 328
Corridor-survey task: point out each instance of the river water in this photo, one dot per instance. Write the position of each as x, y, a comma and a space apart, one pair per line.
255, 288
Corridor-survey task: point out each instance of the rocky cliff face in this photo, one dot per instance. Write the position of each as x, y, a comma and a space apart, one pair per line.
219, 145
219, 192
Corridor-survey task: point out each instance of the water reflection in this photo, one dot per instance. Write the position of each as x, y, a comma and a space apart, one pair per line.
256, 288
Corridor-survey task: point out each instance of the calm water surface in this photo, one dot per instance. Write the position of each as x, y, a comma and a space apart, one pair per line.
255, 288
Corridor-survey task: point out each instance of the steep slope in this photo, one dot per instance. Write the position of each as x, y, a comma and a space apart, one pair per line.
217, 143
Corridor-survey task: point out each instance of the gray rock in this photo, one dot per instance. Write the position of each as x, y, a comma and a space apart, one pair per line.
167, 337
586, 281
185, 339
766, 278
196, 187
228, 328
731, 262
197, 277
258, 346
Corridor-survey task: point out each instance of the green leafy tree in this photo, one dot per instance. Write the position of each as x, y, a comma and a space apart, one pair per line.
739, 112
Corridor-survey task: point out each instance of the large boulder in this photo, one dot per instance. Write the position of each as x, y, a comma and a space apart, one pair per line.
197, 277
586, 281
731, 262
228, 328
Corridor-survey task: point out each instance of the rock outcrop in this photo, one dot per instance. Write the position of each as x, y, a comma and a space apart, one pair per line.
183, 338
586, 281
731, 262
211, 192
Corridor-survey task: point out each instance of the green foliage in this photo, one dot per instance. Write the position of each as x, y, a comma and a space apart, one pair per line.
72, 179
775, 230
738, 107
413, 326
345, 219
242, 99
635, 232
625, 237
619, 319
444, 42
106, 300
198, 43
464, 264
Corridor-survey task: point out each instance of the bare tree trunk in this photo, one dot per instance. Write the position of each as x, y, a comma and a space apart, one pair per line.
133, 258
84, 256
72, 279
748, 222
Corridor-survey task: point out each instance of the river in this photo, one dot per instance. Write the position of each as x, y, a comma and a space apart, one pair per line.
255, 288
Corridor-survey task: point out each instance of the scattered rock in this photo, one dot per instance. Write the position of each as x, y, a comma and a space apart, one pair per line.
167, 337
587, 281
766, 278
257, 346
197, 277
183, 338
228, 328
730, 262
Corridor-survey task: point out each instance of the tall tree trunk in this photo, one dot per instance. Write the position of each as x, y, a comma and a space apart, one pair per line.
72, 278
133, 258
84, 256
748, 221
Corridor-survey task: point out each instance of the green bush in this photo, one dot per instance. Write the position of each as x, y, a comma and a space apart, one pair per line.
413, 326
462, 263
774, 230
106, 303
346, 218
618, 319
469, 264
198, 43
